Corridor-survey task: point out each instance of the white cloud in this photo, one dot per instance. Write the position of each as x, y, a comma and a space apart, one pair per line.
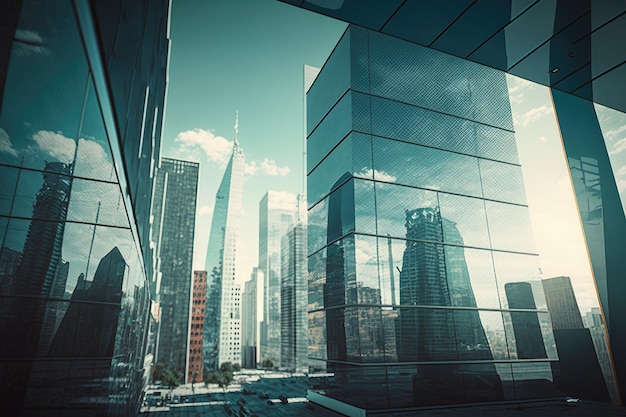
614, 133
376, 174
267, 167
531, 115
621, 185
216, 148
518, 88
5, 143
219, 149
59, 147
618, 147
29, 42
93, 161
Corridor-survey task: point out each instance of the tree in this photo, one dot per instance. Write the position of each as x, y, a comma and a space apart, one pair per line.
267, 363
222, 377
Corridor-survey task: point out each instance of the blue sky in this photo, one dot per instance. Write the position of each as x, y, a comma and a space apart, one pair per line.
245, 55
248, 55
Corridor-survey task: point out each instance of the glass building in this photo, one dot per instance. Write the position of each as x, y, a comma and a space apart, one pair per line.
222, 324
249, 321
277, 213
293, 300
78, 147
174, 211
568, 47
413, 182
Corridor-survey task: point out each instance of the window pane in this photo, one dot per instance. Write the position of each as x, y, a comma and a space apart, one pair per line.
47, 66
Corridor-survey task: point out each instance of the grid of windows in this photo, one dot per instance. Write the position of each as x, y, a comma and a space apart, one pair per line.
421, 255
74, 288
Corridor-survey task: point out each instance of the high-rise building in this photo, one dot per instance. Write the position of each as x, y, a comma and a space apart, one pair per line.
277, 213
77, 168
198, 304
222, 339
578, 75
174, 211
249, 320
562, 303
413, 179
293, 300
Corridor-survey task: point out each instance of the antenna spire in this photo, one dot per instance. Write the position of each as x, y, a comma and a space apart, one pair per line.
236, 128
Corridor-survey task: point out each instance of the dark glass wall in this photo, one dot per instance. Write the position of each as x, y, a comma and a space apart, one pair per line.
74, 295
423, 281
174, 211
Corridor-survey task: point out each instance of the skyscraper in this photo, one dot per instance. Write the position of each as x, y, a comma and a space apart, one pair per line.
413, 181
174, 211
222, 342
277, 213
293, 300
249, 321
198, 304
562, 303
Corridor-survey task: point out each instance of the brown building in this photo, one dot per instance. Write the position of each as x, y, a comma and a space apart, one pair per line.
198, 302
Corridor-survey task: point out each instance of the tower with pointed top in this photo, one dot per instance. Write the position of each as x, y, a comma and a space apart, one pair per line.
222, 324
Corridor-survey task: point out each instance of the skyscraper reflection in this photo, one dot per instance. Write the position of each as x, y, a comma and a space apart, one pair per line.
427, 280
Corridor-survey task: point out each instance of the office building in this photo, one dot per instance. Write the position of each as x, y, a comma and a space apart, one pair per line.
413, 179
565, 46
277, 213
562, 303
249, 320
174, 212
198, 303
222, 339
293, 300
80, 143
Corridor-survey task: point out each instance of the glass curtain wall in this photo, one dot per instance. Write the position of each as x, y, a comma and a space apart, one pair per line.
423, 276
74, 296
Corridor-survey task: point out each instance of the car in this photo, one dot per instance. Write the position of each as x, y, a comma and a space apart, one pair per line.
283, 399
270, 402
573, 400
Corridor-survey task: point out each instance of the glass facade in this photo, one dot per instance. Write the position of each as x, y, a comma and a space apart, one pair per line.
293, 296
222, 323
422, 266
277, 213
174, 211
74, 280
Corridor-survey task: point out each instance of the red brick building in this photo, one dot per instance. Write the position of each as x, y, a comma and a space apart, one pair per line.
198, 303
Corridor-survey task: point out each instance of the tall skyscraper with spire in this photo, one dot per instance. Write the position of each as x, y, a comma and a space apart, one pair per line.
222, 340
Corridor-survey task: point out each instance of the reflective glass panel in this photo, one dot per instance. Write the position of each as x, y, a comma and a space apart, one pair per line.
426, 335
392, 203
8, 176
503, 182
509, 227
419, 166
464, 220
471, 277
97, 202
47, 66
93, 157
518, 281
533, 379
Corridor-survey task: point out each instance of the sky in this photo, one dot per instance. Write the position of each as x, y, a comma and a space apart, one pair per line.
248, 56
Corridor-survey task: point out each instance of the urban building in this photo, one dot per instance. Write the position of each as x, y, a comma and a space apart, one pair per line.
562, 45
80, 144
293, 300
413, 177
249, 320
562, 303
277, 213
174, 212
222, 324
579, 359
198, 303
